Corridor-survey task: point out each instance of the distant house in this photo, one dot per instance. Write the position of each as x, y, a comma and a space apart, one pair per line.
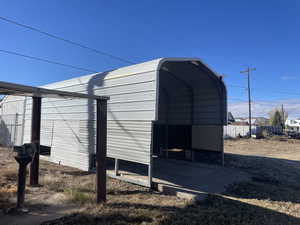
293, 125
230, 118
261, 121
240, 123
258, 121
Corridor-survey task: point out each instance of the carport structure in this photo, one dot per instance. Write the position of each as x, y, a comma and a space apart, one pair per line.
101, 126
155, 108
189, 113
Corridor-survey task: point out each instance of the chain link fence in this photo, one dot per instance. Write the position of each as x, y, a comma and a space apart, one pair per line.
10, 130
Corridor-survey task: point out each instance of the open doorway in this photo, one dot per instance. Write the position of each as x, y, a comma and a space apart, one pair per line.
172, 141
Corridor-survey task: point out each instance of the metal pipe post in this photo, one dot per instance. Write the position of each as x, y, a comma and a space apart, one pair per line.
21, 185
23, 161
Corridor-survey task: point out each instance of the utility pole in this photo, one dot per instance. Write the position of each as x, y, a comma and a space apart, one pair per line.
283, 119
249, 96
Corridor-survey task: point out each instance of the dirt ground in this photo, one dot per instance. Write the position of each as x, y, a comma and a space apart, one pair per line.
67, 195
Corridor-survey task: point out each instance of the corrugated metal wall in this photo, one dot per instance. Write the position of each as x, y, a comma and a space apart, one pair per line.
187, 95
68, 126
191, 95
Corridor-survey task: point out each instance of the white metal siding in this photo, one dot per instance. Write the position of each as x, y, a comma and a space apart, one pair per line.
188, 95
65, 123
68, 126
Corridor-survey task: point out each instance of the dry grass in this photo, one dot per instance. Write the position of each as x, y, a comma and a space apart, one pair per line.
272, 197
10, 174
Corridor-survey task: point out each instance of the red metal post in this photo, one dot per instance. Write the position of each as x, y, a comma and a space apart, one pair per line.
101, 150
35, 139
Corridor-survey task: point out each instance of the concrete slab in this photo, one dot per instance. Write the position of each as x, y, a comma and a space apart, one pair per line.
190, 180
194, 180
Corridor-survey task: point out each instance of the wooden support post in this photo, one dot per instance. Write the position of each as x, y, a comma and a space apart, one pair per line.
101, 150
35, 139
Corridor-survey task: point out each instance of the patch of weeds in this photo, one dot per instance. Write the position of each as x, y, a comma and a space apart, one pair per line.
278, 138
10, 174
5, 194
53, 183
53, 186
108, 219
78, 196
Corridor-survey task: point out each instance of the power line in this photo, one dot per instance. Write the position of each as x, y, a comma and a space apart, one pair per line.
66, 40
272, 91
91, 49
47, 61
100, 52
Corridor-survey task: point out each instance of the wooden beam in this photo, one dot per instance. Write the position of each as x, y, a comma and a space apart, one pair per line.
35, 139
101, 150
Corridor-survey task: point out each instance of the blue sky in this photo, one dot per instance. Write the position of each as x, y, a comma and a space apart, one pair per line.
227, 35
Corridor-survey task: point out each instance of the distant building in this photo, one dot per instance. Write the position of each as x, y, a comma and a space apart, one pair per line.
230, 118
258, 121
293, 125
261, 121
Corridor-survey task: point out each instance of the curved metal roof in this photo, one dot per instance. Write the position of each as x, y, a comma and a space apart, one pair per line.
153, 65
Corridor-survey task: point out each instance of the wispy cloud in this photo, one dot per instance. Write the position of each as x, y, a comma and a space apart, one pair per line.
289, 78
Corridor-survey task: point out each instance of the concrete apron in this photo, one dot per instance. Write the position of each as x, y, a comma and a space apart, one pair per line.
184, 179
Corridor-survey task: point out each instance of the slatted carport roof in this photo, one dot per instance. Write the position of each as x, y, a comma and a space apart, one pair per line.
37, 94
24, 90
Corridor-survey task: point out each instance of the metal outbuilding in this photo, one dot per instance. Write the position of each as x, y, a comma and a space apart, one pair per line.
154, 106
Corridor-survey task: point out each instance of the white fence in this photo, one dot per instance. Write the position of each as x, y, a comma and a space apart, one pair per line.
233, 131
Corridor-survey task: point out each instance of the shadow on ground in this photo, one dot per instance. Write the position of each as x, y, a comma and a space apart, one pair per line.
271, 197
271, 178
215, 210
